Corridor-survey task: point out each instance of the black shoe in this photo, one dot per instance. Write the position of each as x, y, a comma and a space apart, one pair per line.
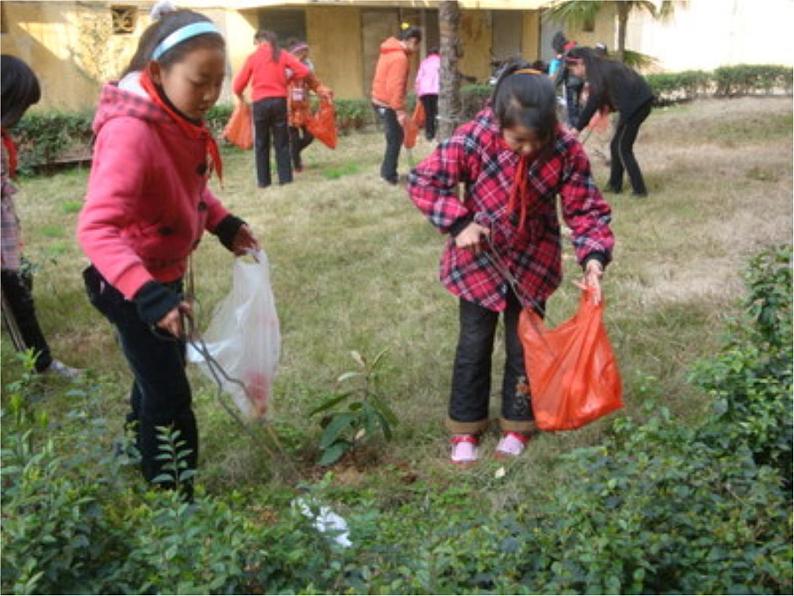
639, 195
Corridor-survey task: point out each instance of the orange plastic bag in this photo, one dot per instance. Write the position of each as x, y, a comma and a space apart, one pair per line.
239, 130
323, 124
573, 374
410, 132
419, 114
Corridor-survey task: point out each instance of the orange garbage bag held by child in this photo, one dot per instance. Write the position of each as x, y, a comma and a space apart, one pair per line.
419, 114
573, 374
410, 132
239, 130
323, 124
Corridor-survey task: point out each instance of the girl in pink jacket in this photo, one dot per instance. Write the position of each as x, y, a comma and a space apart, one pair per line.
146, 209
426, 87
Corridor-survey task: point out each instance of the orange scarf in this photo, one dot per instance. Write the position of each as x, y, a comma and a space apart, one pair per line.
8, 142
193, 131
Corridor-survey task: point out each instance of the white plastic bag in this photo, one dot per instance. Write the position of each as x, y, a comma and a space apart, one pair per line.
244, 338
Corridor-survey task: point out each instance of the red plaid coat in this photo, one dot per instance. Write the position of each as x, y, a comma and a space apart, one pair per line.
477, 156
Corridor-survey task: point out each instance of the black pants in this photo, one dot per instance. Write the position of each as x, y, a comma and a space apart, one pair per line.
430, 103
18, 298
160, 393
572, 95
471, 374
299, 139
270, 116
394, 140
622, 150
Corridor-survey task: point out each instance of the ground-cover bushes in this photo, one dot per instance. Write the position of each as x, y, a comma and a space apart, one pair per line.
54, 136
656, 507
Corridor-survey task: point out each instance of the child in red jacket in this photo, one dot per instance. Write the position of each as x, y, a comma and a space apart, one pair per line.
513, 159
146, 209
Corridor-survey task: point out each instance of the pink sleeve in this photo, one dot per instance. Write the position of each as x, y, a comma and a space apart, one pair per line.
118, 173
216, 212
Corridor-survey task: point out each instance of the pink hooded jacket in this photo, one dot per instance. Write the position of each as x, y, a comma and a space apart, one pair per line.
147, 204
427, 77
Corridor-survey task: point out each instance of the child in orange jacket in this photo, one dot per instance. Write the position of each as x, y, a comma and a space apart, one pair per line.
388, 94
298, 105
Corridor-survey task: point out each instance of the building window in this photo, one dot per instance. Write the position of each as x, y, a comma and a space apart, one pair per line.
589, 25
124, 18
285, 23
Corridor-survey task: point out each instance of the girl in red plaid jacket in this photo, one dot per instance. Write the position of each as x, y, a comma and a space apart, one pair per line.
513, 160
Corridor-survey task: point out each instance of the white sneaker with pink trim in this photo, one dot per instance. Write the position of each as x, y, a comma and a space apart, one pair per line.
464, 449
512, 444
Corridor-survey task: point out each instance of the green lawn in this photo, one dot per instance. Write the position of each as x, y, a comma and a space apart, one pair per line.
354, 266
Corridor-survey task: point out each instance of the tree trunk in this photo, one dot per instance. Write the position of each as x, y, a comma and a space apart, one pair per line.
623, 19
449, 104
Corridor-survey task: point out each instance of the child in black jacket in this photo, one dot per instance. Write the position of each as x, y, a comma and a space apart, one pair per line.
618, 87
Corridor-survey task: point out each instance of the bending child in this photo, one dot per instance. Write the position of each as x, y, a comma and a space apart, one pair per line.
20, 90
513, 159
146, 209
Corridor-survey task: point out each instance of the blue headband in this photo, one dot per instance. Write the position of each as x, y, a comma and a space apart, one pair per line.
183, 34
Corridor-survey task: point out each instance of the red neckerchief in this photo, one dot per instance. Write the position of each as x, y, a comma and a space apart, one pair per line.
519, 194
8, 142
193, 131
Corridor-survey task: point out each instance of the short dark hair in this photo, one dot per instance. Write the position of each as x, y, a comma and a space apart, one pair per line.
162, 28
20, 89
525, 99
411, 32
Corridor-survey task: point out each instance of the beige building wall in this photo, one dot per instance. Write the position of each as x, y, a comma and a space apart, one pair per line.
475, 37
706, 34
70, 46
334, 36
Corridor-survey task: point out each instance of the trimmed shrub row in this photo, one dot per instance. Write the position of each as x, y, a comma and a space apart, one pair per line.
48, 138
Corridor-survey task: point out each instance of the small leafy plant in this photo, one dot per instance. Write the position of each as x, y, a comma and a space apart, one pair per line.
175, 471
362, 410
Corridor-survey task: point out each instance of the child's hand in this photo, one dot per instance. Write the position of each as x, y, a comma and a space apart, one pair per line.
244, 241
592, 279
172, 321
471, 237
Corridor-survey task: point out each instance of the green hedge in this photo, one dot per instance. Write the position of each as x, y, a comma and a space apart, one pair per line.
47, 138
656, 508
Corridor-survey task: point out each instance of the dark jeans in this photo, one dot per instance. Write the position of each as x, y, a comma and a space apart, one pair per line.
394, 140
270, 116
299, 139
18, 299
622, 150
572, 106
430, 103
471, 373
160, 393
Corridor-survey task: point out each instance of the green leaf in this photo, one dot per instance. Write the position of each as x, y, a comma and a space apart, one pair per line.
359, 359
351, 374
329, 403
383, 409
339, 423
333, 453
187, 474
377, 358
